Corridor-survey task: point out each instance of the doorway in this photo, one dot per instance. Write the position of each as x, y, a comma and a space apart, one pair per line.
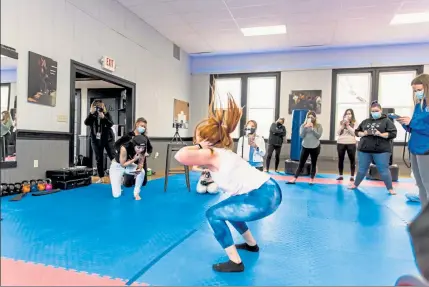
118, 95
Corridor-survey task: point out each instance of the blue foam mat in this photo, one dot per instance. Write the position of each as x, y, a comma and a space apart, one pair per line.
321, 235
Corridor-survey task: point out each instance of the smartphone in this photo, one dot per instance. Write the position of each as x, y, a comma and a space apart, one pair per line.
393, 116
309, 121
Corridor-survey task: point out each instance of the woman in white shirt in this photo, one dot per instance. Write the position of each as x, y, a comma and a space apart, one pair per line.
251, 147
254, 195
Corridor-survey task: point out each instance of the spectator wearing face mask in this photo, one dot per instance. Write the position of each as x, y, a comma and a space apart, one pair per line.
418, 126
275, 142
251, 146
377, 134
347, 143
310, 132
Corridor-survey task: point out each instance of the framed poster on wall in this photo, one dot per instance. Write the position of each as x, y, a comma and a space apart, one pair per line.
42, 80
305, 100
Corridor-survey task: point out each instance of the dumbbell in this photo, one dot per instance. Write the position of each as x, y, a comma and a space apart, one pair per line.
4, 189
11, 188
48, 185
26, 187
33, 185
41, 185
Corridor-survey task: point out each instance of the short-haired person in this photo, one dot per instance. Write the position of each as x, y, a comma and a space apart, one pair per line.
418, 126
376, 133
251, 146
275, 142
102, 137
310, 131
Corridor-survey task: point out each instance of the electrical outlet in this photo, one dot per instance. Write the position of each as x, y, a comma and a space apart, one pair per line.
156, 155
36, 163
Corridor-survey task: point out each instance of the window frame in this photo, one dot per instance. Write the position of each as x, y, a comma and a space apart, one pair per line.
244, 90
8, 86
375, 82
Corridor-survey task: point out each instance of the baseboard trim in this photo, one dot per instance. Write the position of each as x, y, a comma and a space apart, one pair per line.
42, 135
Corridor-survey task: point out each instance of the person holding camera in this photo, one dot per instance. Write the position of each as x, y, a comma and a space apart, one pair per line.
102, 138
275, 142
346, 142
251, 147
377, 134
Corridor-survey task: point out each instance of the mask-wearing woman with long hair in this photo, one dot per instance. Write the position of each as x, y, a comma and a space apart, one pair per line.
418, 126
253, 194
346, 142
310, 132
376, 133
251, 146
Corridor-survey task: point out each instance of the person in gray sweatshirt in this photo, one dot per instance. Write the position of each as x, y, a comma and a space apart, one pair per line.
310, 132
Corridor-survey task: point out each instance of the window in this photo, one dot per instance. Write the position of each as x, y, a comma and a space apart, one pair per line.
224, 86
4, 97
353, 91
395, 92
261, 102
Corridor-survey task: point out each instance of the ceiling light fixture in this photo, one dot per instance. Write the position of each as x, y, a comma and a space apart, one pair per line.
411, 18
264, 31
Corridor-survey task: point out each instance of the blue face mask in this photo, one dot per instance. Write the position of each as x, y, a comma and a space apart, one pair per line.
420, 95
376, 115
141, 130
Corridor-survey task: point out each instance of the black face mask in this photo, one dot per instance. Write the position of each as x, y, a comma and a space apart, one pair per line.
279, 124
249, 131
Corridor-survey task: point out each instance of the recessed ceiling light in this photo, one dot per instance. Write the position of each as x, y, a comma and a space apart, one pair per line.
411, 18
264, 31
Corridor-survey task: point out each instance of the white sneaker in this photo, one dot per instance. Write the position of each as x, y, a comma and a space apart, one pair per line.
99, 181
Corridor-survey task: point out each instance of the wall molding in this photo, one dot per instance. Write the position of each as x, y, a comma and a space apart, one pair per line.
42, 135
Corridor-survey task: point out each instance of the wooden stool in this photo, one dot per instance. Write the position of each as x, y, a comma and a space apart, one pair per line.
171, 148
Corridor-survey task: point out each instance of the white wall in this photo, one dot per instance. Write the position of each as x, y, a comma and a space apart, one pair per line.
426, 69
199, 99
84, 86
307, 80
85, 31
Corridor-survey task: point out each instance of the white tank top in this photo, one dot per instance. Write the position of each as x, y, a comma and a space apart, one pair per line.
235, 175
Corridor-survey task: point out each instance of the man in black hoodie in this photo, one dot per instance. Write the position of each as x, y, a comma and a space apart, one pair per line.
275, 142
100, 123
377, 134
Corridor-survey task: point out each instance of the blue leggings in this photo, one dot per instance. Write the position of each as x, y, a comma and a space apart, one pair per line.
252, 206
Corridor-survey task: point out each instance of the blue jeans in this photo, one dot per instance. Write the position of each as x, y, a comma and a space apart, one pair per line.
238, 209
382, 163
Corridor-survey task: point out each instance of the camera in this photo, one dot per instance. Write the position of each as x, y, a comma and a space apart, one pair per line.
99, 109
371, 132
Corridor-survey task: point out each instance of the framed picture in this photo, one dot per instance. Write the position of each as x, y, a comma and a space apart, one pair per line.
305, 100
42, 80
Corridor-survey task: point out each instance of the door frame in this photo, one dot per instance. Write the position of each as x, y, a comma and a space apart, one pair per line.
104, 76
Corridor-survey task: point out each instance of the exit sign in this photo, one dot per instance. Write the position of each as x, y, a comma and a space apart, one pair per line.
108, 63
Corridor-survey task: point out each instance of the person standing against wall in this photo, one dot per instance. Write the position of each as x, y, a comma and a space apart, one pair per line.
347, 143
251, 147
102, 138
310, 132
275, 142
418, 126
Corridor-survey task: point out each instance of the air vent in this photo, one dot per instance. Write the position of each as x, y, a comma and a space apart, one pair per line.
176, 52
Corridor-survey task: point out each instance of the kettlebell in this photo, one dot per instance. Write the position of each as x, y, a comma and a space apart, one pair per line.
41, 185
25, 186
48, 184
11, 188
18, 187
4, 189
33, 185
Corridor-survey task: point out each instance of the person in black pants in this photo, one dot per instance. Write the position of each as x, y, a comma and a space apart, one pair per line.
346, 142
310, 132
101, 134
275, 142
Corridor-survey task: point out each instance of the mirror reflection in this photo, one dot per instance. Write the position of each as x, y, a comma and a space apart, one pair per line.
9, 63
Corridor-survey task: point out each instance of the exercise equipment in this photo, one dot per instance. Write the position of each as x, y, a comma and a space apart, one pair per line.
26, 187
70, 184
41, 185
11, 188
48, 185
4, 189
69, 173
18, 187
40, 193
33, 185
298, 118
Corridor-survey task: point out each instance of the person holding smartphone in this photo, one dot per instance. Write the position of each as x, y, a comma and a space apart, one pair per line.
310, 131
251, 147
376, 133
102, 138
347, 143
418, 126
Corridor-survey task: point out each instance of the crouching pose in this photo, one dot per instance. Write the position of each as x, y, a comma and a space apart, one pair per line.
128, 166
253, 194
206, 183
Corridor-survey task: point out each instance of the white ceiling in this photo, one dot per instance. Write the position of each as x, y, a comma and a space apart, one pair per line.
214, 25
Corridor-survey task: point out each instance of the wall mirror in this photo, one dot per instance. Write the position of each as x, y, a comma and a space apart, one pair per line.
9, 64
